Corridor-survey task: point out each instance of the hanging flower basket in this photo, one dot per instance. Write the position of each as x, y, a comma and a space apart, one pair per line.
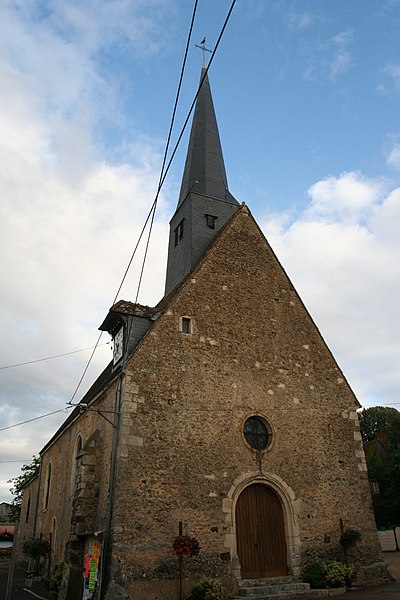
184, 544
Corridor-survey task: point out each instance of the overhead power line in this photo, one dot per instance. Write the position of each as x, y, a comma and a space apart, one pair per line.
150, 216
85, 369
206, 410
35, 418
151, 213
163, 171
31, 362
22, 460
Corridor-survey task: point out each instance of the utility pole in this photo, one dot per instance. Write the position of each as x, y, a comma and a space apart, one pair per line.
12, 563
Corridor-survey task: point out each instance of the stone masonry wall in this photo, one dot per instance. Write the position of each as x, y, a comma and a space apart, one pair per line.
78, 494
253, 350
27, 517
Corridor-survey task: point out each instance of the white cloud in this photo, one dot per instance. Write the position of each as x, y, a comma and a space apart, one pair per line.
391, 83
342, 58
70, 219
300, 20
394, 73
349, 197
330, 58
394, 157
343, 255
67, 245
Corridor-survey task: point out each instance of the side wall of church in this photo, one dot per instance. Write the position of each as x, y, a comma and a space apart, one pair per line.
253, 350
72, 491
27, 517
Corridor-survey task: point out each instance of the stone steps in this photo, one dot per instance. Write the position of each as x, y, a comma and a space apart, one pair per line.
295, 595
281, 588
270, 589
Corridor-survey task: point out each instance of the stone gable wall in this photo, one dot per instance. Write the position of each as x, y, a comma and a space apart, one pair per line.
253, 350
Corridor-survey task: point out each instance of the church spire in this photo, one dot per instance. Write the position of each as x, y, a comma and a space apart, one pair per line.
204, 168
205, 203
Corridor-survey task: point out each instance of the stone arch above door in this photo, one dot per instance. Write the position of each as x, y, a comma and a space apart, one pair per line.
290, 506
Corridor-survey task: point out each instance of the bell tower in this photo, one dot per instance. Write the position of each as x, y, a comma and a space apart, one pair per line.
205, 203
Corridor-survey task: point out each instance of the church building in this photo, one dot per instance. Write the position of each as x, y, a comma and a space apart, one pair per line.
223, 416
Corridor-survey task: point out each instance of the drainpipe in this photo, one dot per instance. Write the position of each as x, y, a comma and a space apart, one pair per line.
11, 568
106, 554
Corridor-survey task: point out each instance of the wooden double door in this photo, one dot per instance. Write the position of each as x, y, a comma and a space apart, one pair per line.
260, 531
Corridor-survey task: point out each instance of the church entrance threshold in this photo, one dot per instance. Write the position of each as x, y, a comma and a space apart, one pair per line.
260, 531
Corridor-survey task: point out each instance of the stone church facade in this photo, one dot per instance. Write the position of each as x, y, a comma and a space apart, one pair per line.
223, 413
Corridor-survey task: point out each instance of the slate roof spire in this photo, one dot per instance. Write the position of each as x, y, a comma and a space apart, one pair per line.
205, 204
204, 168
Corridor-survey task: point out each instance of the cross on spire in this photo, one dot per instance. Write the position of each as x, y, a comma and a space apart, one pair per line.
202, 47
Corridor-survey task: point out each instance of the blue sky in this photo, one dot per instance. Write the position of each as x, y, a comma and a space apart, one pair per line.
306, 95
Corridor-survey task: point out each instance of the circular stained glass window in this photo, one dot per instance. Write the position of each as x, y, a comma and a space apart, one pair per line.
257, 433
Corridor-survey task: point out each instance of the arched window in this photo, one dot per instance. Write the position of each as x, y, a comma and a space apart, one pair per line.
28, 508
47, 486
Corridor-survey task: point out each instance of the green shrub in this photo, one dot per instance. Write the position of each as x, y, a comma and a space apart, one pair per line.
323, 574
55, 581
315, 574
207, 589
336, 573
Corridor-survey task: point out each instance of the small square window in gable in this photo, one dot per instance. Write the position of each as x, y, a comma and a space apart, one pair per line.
186, 325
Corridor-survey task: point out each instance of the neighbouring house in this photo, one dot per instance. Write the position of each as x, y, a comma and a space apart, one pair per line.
222, 415
6, 512
6, 526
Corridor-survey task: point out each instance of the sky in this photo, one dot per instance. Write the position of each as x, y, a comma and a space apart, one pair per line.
307, 101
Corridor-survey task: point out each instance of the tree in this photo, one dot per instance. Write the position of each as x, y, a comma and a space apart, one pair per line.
380, 419
28, 471
381, 424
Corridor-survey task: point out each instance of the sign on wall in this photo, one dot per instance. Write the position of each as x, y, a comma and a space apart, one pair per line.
91, 569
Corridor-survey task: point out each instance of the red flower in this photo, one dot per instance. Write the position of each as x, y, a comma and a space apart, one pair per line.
184, 544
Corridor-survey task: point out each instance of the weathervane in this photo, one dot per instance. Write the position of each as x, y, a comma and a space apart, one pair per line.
202, 47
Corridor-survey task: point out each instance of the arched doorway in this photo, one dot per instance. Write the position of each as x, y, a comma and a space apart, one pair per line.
260, 531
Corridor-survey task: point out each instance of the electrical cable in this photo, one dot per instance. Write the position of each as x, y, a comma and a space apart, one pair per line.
163, 175
178, 91
30, 362
197, 410
35, 418
198, 91
150, 217
22, 460
151, 213
161, 180
86, 368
